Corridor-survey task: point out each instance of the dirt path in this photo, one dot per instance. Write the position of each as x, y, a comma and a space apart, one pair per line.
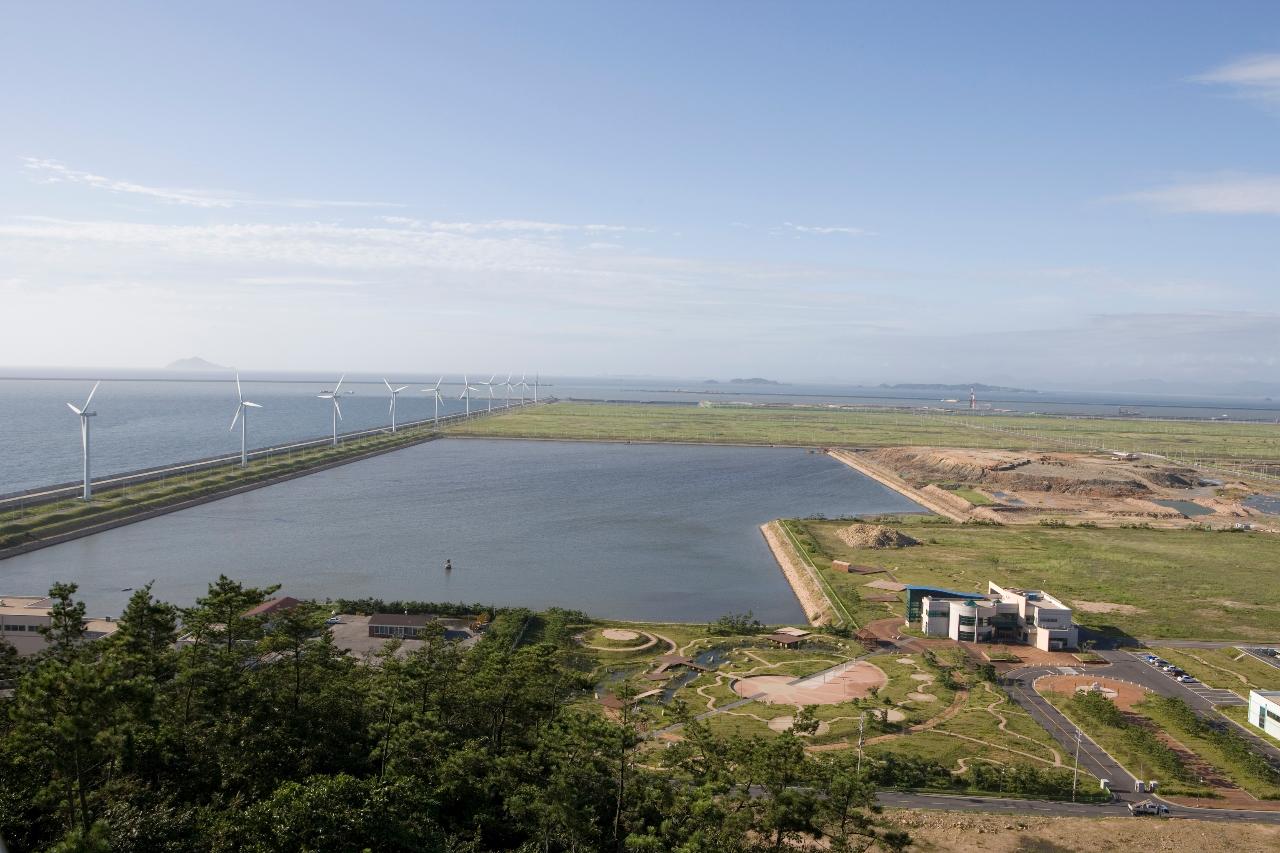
817, 607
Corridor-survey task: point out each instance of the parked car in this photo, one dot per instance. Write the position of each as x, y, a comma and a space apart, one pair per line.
1168, 667
1187, 679
1150, 807
333, 620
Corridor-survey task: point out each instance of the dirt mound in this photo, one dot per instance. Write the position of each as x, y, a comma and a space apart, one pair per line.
874, 536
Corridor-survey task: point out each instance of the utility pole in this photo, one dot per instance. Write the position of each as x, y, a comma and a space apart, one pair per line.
862, 720
1075, 772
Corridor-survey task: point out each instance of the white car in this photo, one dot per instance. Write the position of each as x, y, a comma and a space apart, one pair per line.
1186, 679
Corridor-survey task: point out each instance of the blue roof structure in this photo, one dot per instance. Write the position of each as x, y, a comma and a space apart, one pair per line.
916, 592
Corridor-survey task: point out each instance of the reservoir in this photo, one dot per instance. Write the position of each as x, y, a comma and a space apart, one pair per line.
627, 531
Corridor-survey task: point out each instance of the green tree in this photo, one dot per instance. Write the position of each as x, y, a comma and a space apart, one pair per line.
66, 628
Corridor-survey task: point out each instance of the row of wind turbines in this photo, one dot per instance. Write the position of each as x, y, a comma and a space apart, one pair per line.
243, 406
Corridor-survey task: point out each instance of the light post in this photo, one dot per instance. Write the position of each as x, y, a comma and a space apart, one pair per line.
862, 720
1075, 772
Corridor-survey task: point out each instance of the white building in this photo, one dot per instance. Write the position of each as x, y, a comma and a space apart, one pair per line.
22, 617
1264, 711
1027, 616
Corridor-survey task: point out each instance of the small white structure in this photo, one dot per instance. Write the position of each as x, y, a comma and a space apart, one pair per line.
1011, 615
22, 617
1264, 711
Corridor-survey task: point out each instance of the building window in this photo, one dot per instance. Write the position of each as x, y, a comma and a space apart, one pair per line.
966, 636
967, 620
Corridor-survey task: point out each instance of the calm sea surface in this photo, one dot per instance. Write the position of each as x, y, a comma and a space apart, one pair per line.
626, 531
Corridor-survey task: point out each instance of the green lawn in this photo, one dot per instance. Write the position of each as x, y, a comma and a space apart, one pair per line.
1185, 583
821, 426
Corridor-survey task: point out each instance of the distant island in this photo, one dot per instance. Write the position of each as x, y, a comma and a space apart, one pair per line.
976, 386
194, 363
754, 380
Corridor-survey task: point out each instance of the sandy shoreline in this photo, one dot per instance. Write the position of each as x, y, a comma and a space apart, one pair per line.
817, 607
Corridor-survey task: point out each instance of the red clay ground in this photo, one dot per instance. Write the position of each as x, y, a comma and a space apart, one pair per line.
853, 681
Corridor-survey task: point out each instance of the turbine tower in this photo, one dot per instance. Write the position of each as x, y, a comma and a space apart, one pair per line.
489, 387
535, 387
435, 391
242, 415
507, 385
395, 392
467, 388
85, 414
332, 396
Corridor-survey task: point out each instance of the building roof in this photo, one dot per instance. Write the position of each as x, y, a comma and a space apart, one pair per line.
784, 639
273, 605
407, 620
793, 632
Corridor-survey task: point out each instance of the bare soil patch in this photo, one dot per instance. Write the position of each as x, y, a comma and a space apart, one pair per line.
874, 536
1106, 607
855, 681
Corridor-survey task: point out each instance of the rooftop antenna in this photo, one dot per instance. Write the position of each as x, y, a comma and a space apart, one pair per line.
467, 388
435, 391
395, 392
332, 396
85, 414
242, 415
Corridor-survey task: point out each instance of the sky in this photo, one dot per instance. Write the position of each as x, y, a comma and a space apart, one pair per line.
1048, 194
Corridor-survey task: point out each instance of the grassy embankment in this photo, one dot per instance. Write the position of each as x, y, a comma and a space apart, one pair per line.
1186, 584
108, 504
1237, 443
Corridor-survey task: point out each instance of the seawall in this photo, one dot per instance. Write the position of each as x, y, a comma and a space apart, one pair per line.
899, 485
817, 606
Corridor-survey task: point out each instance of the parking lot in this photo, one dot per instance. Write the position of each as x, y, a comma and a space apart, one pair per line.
1212, 695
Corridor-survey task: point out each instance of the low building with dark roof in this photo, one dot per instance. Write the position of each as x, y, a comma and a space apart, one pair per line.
407, 625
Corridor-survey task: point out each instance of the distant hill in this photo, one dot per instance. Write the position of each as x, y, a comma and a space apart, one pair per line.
194, 363
755, 380
976, 386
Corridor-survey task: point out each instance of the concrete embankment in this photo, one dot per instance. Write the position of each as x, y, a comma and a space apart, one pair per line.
127, 515
899, 485
817, 606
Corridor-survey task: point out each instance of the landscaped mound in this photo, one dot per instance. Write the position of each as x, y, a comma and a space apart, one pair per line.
874, 536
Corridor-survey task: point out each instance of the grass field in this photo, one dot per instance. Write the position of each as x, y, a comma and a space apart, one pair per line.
1236, 443
1190, 584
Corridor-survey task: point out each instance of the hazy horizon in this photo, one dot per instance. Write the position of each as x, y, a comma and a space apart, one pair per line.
826, 193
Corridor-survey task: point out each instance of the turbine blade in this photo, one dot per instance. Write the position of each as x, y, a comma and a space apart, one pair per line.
74, 409
438, 381
325, 396
91, 393
398, 390
239, 393
251, 405
391, 407
385, 382
236, 418
339, 385
339, 408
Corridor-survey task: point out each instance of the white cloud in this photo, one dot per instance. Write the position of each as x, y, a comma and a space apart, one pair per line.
527, 226
827, 229
53, 172
1255, 76
1224, 194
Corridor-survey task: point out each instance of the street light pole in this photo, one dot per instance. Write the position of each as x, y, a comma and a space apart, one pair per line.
1075, 772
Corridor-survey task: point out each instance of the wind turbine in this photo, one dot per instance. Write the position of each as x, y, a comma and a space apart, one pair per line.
508, 387
522, 385
467, 388
438, 399
395, 392
489, 386
337, 410
535, 387
85, 414
242, 415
